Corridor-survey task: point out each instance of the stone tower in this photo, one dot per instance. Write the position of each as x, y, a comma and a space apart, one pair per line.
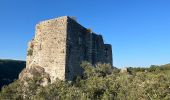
59, 47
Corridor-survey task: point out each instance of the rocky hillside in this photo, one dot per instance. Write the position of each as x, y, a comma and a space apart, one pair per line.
9, 70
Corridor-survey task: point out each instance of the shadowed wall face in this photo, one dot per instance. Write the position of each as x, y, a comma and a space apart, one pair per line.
108, 54
78, 48
84, 45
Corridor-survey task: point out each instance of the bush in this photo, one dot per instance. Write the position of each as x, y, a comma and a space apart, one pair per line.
100, 82
30, 52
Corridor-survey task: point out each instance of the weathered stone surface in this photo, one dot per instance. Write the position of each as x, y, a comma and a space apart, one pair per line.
124, 70
59, 47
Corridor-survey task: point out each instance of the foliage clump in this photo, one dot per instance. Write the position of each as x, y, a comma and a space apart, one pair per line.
30, 52
89, 30
99, 82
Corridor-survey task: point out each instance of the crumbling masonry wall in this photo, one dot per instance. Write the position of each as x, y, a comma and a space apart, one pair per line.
59, 47
49, 47
84, 45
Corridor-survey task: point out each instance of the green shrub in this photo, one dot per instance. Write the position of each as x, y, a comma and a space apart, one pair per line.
100, 82
89, 30
30, 52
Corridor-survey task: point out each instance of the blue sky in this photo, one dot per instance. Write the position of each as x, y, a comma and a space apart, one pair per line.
139, 30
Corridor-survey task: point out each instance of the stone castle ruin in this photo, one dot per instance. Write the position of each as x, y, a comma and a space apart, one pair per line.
59, 47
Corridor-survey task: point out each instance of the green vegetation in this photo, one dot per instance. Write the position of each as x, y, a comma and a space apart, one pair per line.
30, 52
89, 30
100, 82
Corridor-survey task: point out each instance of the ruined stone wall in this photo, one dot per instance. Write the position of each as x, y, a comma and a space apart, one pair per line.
49, 47
78, 48
108, 54
101, 53
83, 45
59, 47
98, 49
